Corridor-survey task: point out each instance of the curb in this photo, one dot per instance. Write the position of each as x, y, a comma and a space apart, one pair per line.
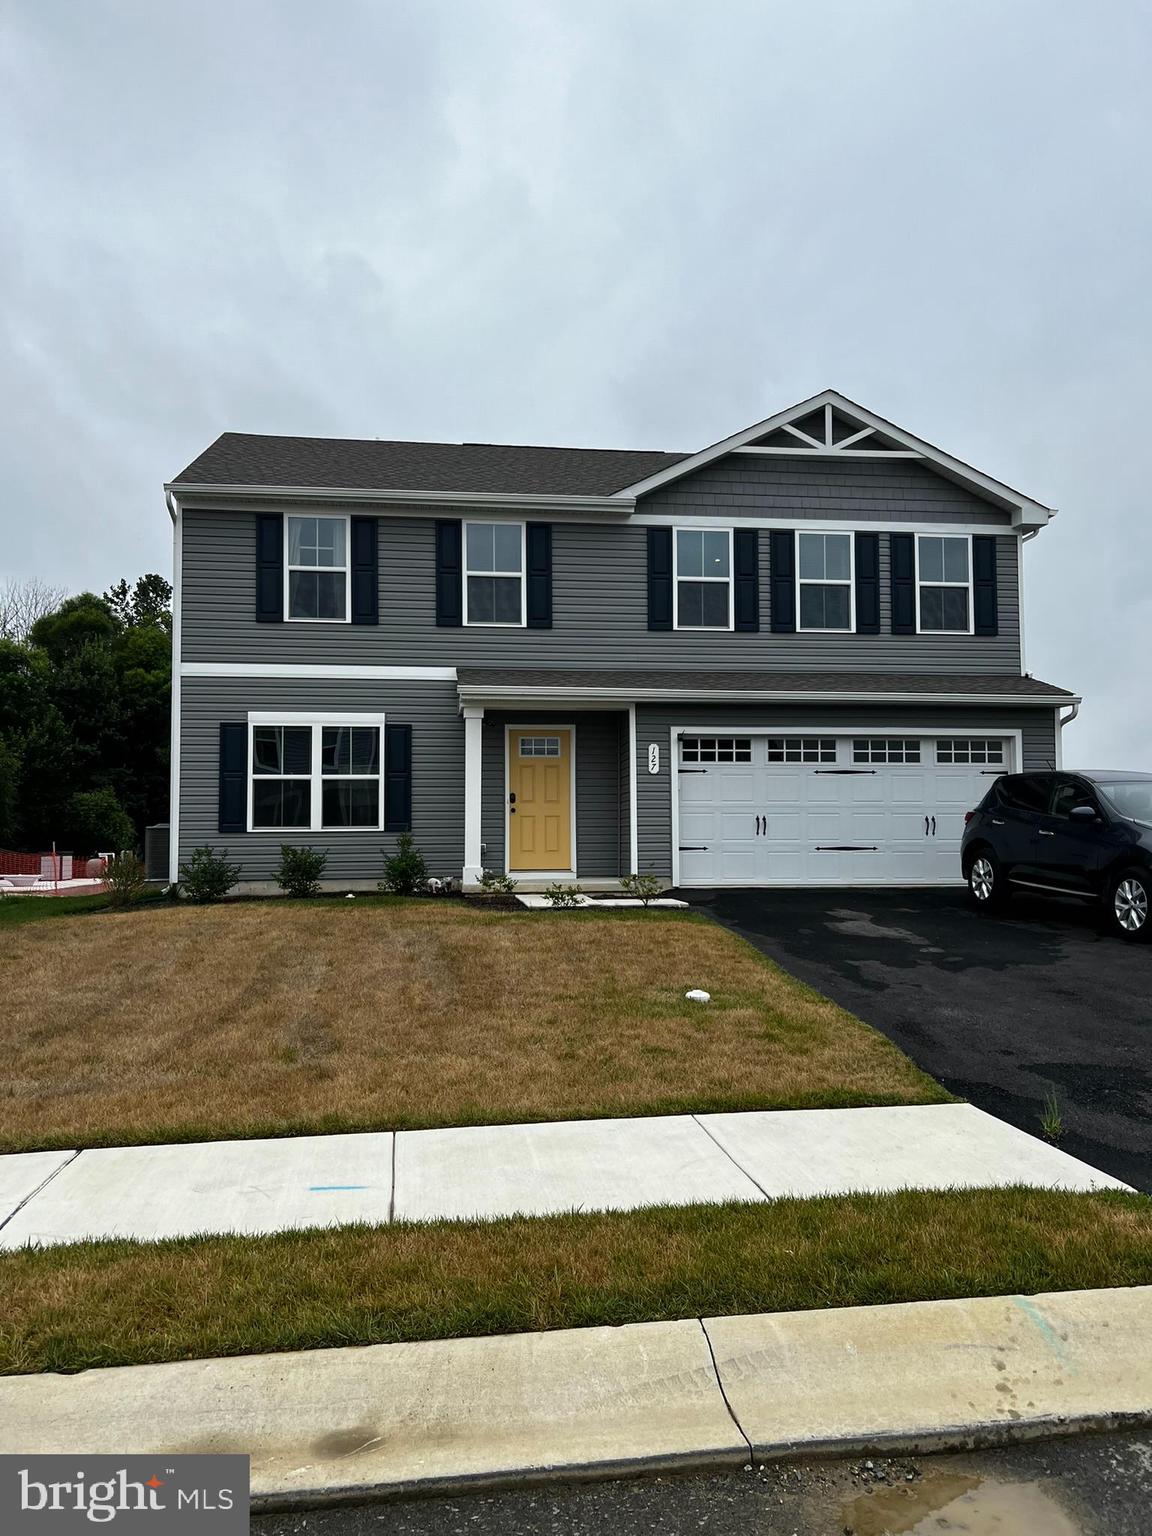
398, 1420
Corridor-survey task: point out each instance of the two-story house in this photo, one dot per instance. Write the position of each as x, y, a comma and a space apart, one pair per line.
791, 658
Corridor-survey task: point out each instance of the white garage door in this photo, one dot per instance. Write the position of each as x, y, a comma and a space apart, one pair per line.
829, 809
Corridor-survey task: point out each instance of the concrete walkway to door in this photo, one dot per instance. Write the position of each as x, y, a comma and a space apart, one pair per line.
492, 1171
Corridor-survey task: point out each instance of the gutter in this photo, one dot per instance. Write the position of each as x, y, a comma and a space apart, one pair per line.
476, 694
506, 500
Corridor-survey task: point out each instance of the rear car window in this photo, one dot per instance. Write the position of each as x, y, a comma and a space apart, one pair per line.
1132, 799
1025, 792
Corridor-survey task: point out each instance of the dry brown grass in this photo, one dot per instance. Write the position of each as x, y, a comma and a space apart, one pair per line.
124, 1303
268, 1017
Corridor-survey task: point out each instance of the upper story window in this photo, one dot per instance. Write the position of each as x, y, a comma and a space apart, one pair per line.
494, 573
944, 583
702, 567
317, 776
316, 571
824, 577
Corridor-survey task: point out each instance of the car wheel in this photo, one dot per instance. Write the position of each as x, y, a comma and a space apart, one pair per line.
987, 887
1130, 905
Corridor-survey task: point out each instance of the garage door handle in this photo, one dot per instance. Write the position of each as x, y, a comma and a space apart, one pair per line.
925, 826
933, 826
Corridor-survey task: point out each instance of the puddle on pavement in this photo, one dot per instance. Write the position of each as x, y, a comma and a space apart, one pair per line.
955, 1505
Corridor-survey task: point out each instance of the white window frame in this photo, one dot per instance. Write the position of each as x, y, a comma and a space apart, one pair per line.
946, 533
496, 522
702, 629
316, 774
811, 581
329, 517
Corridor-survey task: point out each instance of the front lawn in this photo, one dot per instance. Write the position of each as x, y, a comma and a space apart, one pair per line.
275, 1017
127, 1303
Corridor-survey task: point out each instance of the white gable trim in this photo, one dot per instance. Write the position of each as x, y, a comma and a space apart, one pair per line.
1026, 513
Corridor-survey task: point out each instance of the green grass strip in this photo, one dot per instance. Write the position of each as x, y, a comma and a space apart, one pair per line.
125, 1303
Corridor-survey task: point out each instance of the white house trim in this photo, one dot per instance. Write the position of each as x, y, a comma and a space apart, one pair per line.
1025, 511
633, 797
514, 501
492, 697
473, 795
305, 670
174, 742
822, 524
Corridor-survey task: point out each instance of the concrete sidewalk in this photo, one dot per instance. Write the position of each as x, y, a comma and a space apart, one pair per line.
490, 1171
403, 1418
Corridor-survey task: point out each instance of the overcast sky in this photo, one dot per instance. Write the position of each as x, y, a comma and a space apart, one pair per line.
637, 223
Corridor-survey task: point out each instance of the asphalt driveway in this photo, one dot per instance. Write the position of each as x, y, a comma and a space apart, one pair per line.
1003, 1011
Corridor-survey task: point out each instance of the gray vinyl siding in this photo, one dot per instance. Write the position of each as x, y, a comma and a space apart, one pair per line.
601, 786
654, 723
600, 613
873, 490
437, 771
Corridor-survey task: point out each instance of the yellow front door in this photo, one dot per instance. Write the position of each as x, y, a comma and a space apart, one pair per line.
540, 799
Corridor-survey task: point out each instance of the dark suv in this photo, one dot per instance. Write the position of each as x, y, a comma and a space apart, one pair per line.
1086, 834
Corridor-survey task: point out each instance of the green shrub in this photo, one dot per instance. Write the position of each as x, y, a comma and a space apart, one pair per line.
300, 870
207, 876
95, 822
405, 872
644, 888
126, 878
563, 896
494, 884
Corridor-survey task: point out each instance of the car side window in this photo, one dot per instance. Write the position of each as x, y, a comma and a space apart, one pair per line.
1023, 792
1066, 796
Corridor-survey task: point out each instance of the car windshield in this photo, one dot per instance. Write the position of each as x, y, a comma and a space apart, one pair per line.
1132, 798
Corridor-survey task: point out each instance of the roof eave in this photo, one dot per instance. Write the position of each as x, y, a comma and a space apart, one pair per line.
479, 693
503, 500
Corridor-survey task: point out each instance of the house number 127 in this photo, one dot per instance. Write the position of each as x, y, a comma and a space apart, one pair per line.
653, 757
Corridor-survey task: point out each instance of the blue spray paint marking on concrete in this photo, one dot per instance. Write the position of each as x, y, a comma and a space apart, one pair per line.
1046, 1330
318, 1189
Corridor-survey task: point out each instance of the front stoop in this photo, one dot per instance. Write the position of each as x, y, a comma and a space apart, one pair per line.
344, 1424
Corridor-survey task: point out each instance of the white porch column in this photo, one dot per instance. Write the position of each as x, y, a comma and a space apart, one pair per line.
473, 772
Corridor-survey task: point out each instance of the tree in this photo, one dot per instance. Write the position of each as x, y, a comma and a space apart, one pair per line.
84, 702
22, 603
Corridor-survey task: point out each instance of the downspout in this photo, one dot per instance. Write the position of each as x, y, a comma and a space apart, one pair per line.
174, 740
1061, 722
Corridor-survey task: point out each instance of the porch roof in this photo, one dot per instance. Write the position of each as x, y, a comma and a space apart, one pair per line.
631, 685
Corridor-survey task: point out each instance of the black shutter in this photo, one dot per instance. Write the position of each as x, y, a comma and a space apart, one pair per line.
539, 541
365, 569
397, 778
233, 802
449, 575
902, 553
782, 574
985, 613
867, 583
269, 568
746, 565
659, 578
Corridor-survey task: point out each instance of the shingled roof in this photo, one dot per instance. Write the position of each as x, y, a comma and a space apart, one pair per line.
705, 682
246, 458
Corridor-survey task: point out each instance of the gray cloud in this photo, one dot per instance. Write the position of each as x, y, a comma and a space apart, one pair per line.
628, 224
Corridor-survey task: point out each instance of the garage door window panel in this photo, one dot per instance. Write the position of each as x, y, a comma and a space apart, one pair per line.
944, 583
886, 749
703, 571
716, 749
824, 582
970, 750
801, 749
